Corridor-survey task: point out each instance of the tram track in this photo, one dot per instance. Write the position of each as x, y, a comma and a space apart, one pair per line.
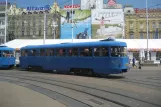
145, 83
85, 90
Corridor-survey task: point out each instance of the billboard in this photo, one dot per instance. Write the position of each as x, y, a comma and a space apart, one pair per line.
81, 24
107, 23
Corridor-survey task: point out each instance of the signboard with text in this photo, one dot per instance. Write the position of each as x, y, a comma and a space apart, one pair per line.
43, 8
75, 6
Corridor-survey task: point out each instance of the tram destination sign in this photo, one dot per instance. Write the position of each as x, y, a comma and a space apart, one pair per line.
42, 8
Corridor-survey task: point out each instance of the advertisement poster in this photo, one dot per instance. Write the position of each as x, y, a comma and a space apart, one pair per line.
107, 23
81, 24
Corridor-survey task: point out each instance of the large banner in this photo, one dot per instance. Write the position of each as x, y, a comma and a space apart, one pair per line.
107, 23
81, 24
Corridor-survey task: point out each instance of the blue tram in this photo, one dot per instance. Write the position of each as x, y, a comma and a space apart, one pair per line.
100, 57
7, 59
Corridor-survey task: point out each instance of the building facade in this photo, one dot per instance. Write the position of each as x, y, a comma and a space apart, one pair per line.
29, 24
2, 21
2, 26
136, 25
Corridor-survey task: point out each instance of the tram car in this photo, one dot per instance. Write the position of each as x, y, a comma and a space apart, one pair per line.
100, 57
7, 59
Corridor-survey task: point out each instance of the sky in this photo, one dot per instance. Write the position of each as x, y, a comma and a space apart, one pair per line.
135, 3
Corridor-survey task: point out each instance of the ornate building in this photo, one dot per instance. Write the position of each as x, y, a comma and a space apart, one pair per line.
29, 23
2, 21
135, 23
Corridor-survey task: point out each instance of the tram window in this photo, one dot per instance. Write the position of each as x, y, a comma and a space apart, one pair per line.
7, 53
24, 53
101, 51
85, 51
124, 51
73, 52
49, 52
118, 51
60, 52
31, 53
115, 51
42, 52
11, 54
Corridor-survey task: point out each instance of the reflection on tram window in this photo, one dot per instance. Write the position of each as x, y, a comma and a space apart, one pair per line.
60, 52
85, 51
49, 52
118, 51
101, 51
73, 52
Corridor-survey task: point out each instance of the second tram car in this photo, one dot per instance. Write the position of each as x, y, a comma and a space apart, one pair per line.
100, 57
7, 59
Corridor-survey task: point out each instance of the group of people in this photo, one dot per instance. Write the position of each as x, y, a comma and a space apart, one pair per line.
134, 63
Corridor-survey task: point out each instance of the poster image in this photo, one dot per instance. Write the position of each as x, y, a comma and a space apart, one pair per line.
107, 23
81, 24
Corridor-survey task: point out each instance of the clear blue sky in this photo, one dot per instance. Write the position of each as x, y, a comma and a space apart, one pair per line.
135, 3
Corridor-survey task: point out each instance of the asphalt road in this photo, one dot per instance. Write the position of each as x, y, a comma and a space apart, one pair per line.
140, 88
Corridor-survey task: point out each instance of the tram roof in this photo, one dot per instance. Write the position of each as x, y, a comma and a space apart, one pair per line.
84, 44
131, 43
5, 48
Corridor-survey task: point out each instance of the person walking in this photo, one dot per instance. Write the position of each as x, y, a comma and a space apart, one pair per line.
139, 64
133, 62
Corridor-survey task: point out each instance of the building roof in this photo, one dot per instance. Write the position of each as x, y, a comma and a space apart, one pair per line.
132, 44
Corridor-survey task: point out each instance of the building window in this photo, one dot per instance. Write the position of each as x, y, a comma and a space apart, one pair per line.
159, 24
154, 36
131, 36
131, 25
22, 33
141, 36
141, 26
160, 35
154, 25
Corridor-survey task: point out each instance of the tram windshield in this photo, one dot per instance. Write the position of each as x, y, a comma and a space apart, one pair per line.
118, 51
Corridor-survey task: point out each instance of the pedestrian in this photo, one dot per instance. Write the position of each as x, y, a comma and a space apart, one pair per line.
133, 62
139, 64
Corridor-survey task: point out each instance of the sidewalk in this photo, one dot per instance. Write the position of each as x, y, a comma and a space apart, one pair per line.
16, 96
146, 68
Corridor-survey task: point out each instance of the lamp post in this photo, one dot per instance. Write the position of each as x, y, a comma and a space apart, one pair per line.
44, 28
147, 30
72, 21
5, 23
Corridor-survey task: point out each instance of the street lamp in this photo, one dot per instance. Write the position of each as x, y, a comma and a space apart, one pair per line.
147, 30
72, 21
5, 23
44, 27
